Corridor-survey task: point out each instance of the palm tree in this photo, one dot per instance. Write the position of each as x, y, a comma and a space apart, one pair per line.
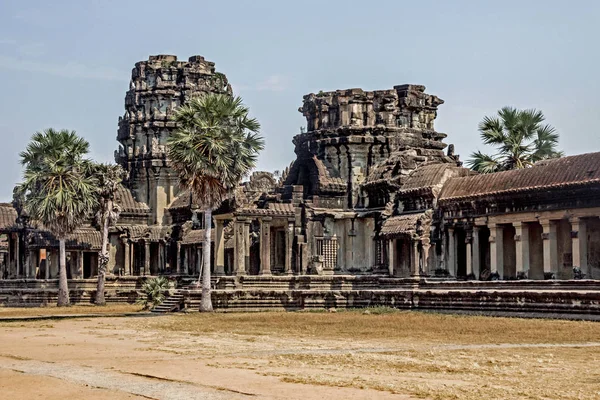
108, 177
215, 145
521, 138
58, 192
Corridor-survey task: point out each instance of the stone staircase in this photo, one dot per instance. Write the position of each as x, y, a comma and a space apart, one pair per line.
173, 303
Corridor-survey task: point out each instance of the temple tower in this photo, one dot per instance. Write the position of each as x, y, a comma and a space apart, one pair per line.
350, 133
158, 86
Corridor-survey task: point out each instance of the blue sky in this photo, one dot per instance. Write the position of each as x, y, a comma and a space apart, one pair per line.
66, 64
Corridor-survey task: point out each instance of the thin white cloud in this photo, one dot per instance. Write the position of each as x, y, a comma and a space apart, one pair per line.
67, 70
273, 83
8, 42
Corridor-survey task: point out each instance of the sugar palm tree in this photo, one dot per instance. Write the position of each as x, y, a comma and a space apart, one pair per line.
57, 191
521, 138
108, 177
215, 145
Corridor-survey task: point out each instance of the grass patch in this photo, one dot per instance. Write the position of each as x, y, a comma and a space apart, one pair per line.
78, 309
384, 324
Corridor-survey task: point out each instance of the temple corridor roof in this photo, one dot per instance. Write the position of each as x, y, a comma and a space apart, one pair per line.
8, 216
565, 172
401, 224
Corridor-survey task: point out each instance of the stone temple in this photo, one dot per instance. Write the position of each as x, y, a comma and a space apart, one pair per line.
375, 202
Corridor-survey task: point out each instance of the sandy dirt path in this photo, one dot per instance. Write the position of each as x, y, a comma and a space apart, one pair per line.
116, 358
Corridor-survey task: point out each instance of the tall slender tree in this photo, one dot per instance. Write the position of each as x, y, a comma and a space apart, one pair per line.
521, 137
57, 191
215, 145
108, 177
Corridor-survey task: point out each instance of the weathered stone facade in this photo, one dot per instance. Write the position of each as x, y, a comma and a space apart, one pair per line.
158, 86
373, 191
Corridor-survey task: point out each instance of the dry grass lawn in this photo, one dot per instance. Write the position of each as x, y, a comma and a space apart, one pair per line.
78, 309
348, 355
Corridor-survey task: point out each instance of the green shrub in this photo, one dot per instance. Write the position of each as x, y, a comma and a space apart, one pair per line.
153, 292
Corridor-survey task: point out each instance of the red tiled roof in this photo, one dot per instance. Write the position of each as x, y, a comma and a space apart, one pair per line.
196, 236
273, 209
583, 169
8, 216
400, 224
128, 203
82, 238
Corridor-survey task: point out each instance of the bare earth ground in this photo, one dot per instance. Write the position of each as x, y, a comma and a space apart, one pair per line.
345, 355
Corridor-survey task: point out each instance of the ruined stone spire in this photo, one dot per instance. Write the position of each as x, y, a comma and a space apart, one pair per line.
158, 86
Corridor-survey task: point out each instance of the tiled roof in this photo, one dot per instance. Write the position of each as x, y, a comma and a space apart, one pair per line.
430, 175
181, 201
401, 224
152, 233
8, 216
196, 236
326, 181
128, 203
82, 238
583, 169
273, 209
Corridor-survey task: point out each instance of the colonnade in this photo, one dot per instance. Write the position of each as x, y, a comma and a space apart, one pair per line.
564, 246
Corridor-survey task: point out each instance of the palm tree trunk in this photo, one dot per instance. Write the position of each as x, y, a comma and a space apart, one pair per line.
100, 301
206, 302
63, 287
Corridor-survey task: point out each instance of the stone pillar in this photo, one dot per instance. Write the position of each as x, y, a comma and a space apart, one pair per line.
178, 258
146, 257
391, 256
580, 250
199, 260
17, 257
496, 250
550, 249
476, 253
132, 258
126, 257
79, 264
451, 263
47, 271
161, 258
239, 248
289, 242
219, 248
414, 268
469, 258
522, 249
265, 246
247, 244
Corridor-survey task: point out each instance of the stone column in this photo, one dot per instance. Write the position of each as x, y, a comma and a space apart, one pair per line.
161, 258
146, 257
469, 258
391, 256
239, 248
550, 249
265, 246
17, 257
414, 268
199, 261
178, 258
496, 250
219, 248
289, 242
451, 263
132, 258
79, 264
247, 244
580, 251
47, 271
476, 253
126, 257
522, 249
